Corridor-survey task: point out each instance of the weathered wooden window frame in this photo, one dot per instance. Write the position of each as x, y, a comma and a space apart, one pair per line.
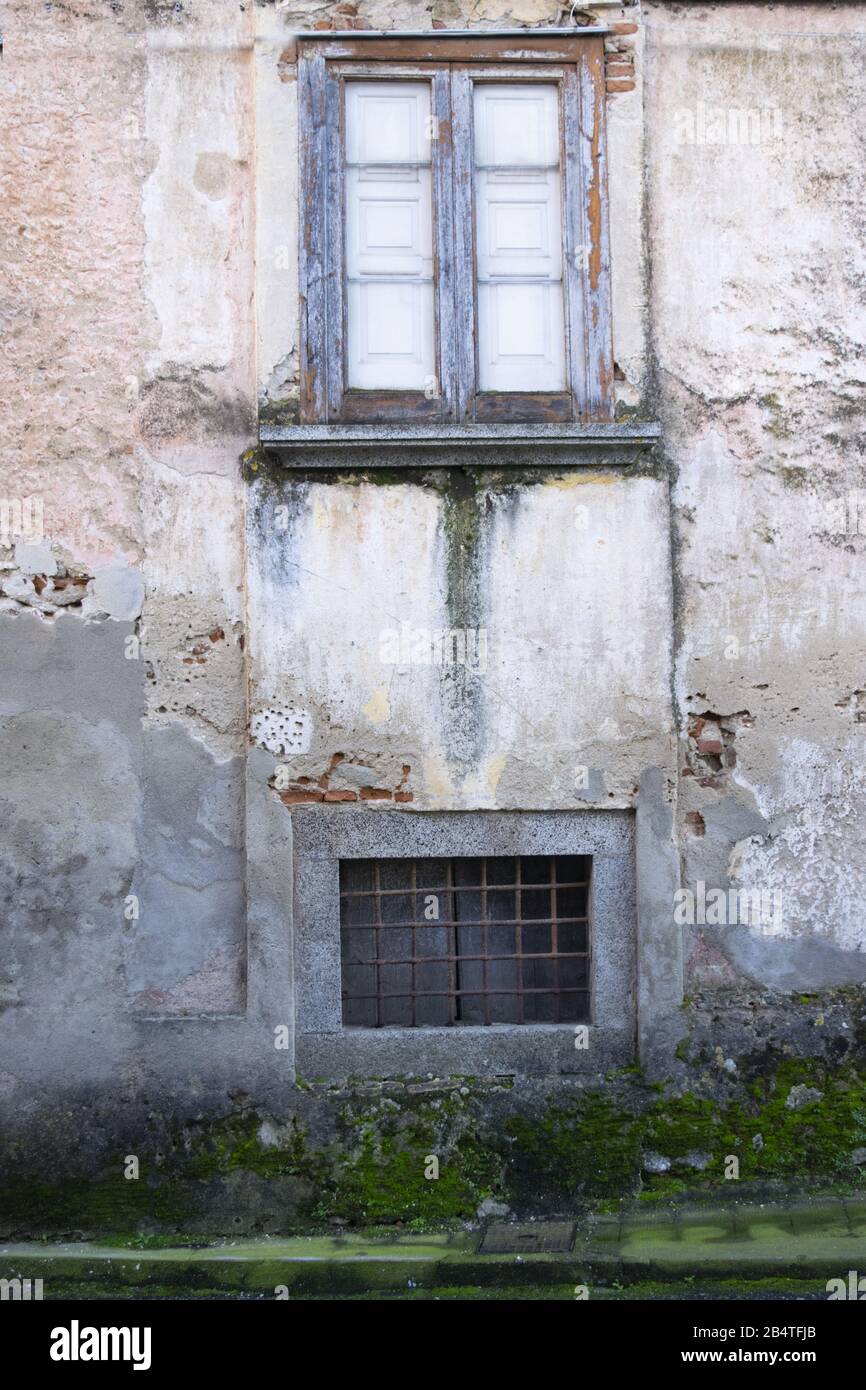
576, 64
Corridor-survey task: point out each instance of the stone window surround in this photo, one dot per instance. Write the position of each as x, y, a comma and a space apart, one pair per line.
323, 836
281, 845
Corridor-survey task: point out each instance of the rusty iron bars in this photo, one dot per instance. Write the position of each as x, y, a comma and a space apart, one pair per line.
465, 941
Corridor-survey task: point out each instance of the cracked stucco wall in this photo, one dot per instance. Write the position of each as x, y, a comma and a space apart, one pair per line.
127, 381
758, 262
346, 592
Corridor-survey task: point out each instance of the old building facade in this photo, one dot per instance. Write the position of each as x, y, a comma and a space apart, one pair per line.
273, 619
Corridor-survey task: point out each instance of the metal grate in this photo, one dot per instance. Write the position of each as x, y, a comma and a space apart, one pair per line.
505, 1238
438, 942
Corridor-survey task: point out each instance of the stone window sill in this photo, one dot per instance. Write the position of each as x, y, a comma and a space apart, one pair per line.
459, 446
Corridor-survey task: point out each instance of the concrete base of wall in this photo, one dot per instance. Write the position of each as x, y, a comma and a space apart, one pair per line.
766, 1093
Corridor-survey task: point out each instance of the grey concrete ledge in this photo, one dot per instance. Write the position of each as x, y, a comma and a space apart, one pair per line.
569, 31
436, 446
500, 1049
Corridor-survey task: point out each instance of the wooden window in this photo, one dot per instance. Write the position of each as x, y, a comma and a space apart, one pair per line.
454, 260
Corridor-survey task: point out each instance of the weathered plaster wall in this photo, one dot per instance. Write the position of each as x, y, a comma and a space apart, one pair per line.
758, 331
127, 379
341, 599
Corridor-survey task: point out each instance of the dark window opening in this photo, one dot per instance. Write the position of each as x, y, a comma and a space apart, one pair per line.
444, 942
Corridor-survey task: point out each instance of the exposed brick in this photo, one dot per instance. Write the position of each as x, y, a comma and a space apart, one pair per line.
624, 27
710, 747
217, 635
404, 796
619, 85
300, 798
375, 794
341, 796
325, 780
695, 823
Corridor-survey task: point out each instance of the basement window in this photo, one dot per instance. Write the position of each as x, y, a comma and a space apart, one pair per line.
465, 941
529, 967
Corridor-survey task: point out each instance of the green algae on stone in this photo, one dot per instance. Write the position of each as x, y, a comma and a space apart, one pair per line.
590, 1148
381, 1171
346, 1156
596, 1146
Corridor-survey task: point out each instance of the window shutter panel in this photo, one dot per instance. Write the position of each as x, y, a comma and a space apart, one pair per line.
389, 236
521, 329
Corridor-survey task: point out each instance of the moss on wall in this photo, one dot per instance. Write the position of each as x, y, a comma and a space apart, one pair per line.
596, 1148
531, 1152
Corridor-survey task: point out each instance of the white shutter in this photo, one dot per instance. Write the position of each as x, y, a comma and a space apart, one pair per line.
518, 218
389, 236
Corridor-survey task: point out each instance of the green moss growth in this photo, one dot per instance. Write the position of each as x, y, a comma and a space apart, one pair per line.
105, 1203
588, 1149
595, 1148
374, 1167
386, 1183
379, 1171
769, 1140
234, 1145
